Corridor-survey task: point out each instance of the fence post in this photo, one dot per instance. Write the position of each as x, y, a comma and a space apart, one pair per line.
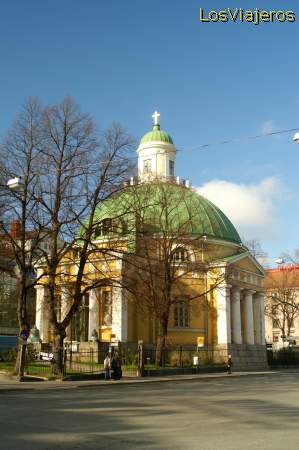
91, 354
140, 369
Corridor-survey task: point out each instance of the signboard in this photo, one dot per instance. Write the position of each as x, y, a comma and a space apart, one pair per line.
200, 341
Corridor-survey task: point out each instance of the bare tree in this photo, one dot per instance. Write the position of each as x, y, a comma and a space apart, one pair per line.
75, 170
282, 300
19, 161
255, 248
86, 172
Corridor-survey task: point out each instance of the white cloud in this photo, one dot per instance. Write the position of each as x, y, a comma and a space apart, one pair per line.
251, 208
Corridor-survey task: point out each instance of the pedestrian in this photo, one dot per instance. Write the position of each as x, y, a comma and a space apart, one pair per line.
229, 364
24, 334
113, 365
107, 367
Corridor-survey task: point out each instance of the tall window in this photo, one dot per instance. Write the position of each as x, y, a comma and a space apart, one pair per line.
147, 166
79, 324
171, 168
107, 308
181, 315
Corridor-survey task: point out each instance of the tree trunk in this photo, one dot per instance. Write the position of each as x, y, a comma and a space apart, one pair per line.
57, 362
22, 321
161, 340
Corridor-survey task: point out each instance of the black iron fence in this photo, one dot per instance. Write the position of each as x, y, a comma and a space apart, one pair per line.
135, 359
132, 358
87, 361
283, 357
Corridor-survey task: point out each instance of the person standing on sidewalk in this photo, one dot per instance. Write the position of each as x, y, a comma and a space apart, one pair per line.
107, 367
229, 364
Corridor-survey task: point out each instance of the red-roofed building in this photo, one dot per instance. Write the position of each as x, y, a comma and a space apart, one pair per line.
9, 282
282, 305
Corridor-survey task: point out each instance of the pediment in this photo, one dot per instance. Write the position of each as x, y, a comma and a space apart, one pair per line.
244, 261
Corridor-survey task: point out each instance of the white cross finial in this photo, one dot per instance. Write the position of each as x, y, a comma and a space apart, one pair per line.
156, 116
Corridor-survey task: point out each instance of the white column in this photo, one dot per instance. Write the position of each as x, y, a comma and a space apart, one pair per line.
119, 314
66, 301
94, 311
248, 317
42, 313
262, 317
223, 315
236, 315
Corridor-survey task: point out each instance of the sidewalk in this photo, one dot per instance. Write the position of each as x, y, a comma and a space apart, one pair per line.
14, 385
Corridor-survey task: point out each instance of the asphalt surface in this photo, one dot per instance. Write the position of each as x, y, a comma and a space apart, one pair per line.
252, 412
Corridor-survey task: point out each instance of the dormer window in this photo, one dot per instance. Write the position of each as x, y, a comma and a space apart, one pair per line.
180, 254
109, 225
103, 228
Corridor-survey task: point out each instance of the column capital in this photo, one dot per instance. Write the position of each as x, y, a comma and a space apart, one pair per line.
249, 291
237, 288
260, 293
39, 286
224, 286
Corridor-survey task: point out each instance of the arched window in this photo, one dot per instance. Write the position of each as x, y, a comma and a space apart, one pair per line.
107, 308
180, 254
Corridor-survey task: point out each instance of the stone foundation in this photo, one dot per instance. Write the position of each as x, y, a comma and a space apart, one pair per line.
244, 357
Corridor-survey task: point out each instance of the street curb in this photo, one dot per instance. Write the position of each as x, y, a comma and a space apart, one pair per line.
66, 386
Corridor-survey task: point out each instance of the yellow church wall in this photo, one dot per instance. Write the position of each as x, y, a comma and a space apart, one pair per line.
212, 315
143, 327
132, 321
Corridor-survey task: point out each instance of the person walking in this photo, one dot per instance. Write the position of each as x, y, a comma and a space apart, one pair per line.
107, 367
229, 364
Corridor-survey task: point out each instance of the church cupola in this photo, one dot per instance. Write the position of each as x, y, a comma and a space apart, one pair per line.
156, 154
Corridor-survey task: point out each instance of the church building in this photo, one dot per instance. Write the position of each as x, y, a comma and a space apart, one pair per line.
215, 295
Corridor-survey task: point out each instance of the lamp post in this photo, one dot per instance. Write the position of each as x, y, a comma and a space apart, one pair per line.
16, 184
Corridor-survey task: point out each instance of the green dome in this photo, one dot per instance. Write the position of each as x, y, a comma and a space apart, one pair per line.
188, 213
157, 135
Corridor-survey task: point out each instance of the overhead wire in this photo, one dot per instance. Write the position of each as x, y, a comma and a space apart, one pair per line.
198, 147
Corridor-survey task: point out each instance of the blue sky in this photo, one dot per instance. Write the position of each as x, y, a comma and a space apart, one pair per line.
121, 60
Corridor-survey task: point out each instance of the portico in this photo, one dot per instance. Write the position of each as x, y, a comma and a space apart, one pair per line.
234, 302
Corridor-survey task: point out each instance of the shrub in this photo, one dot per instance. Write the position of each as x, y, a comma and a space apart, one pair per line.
178, 358
31, 353
9, 355
130, 358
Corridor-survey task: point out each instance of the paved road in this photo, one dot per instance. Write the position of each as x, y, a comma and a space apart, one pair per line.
256, 412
